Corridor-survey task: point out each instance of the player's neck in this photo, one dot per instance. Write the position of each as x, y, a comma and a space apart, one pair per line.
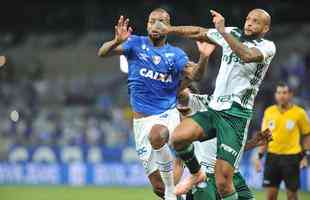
285, 107
158, 43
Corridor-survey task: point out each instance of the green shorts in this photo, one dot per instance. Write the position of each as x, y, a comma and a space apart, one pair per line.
209, 192
229, 127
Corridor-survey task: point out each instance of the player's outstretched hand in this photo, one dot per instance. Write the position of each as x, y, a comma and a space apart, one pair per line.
205, 48
219, 21
263, 137
122, 31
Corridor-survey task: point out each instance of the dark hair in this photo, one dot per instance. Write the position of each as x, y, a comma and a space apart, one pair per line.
162, 10
283, 84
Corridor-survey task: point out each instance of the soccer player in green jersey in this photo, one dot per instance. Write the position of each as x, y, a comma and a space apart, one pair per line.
245, 61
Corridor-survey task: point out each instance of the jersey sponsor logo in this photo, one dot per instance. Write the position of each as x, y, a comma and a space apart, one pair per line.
141, 151
215, 35
143, 56
229, 149
232, 57
165, 78
164, 116
169, 55
202, 185
225, 98
156, 60
290, 124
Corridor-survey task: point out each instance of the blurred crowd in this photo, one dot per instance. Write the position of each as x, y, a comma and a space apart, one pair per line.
59, 113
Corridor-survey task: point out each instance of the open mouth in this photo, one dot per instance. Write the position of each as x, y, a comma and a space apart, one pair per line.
155, 33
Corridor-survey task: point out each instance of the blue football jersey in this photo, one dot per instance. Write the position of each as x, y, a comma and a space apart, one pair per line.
154, 74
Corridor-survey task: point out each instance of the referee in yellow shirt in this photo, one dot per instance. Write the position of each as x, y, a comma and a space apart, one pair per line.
289, 125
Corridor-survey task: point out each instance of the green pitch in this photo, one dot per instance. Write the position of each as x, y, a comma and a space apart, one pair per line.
90, 193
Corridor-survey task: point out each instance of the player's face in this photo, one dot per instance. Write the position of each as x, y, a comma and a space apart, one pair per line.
283, 95
153, 32
255, 24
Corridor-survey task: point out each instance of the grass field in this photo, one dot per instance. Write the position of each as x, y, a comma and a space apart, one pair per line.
91, 193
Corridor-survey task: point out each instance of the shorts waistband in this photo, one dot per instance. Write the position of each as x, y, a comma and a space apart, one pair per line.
143, 119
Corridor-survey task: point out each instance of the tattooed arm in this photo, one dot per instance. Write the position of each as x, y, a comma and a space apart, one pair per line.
192, 32
245, 53
195, 71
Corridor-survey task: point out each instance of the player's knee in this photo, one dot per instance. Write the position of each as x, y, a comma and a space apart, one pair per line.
222, 186
292, 195
158, 136
176, 141
271, 196
159, 190
224, 183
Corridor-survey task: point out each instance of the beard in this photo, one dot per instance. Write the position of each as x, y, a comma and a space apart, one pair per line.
157, 39
253, 36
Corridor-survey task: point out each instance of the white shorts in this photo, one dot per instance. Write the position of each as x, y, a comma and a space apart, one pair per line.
142, 128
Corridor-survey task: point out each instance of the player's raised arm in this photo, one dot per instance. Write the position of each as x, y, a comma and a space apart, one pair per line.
114, 47
245, 53
192, 32
195, 71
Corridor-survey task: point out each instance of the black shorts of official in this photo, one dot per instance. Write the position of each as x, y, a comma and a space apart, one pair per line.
282, 168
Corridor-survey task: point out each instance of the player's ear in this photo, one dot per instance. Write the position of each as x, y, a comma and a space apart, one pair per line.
266, 28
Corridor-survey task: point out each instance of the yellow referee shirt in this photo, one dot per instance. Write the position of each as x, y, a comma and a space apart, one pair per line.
286, 129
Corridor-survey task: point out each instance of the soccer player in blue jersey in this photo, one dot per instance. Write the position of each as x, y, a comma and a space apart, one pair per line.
156, 69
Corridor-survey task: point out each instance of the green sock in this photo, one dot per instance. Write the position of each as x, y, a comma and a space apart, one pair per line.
188, 156
231, 196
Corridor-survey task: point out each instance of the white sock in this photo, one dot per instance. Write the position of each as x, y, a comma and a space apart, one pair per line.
164, 161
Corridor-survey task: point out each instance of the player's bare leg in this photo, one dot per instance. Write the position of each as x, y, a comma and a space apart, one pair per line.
224, 173
157, 184
159, 136
292, 195
184, 134
272, 193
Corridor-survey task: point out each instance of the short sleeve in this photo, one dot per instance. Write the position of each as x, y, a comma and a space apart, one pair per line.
181, 60
128, 45
214, 36
304, 123
267, 48
264, 121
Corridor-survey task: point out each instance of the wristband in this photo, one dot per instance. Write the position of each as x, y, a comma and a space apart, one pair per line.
260, 156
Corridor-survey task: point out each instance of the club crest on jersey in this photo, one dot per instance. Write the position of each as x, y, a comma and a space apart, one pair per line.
156, 60
165, 78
